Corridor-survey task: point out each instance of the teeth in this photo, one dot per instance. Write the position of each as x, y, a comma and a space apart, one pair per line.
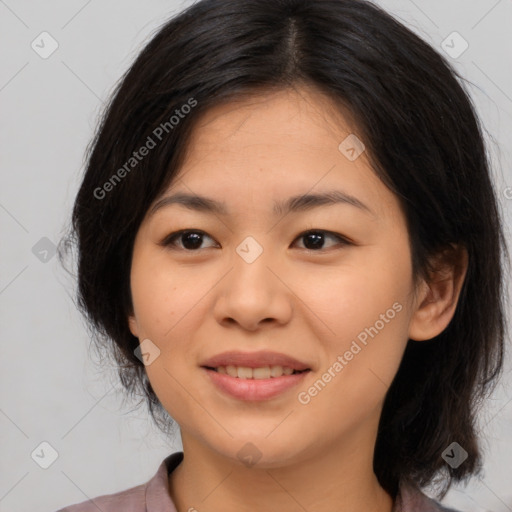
265, 372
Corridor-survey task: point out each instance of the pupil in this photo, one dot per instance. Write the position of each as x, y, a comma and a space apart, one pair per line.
195, 244
317, 240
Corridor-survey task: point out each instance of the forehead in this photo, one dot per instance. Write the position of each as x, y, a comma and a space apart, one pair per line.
274, 145
296, 118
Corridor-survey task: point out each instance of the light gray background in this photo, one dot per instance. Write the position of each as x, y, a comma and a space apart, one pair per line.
50, 389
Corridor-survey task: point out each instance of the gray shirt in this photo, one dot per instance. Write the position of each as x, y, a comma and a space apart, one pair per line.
153, 496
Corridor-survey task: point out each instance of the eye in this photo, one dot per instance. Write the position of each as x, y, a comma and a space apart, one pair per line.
315, 239
191, 239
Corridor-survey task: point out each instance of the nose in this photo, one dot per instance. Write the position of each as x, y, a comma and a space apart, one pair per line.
252, 295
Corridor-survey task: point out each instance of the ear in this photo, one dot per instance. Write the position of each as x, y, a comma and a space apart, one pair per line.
437, 298
132, 323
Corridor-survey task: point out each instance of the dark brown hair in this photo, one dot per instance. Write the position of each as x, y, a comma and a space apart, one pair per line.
424, 141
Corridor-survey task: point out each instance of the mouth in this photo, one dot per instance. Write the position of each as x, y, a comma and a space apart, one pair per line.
254, 384
258, 375
263, 372
259, 361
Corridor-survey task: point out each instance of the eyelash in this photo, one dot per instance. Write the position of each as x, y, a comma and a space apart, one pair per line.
169, 240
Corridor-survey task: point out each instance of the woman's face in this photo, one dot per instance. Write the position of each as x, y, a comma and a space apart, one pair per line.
251, 279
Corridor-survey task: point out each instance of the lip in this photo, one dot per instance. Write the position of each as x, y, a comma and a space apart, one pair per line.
254, 360
254, 389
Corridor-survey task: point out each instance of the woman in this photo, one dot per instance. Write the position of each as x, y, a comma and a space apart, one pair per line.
289, 241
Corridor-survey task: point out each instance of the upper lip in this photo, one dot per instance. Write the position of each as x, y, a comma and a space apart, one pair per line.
254, 360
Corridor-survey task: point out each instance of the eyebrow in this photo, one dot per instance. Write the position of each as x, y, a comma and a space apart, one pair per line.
298, 203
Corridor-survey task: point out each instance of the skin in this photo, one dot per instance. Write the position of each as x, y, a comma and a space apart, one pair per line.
193, 304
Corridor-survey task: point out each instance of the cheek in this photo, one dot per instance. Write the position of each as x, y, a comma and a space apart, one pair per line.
366, 310
352, 296
168, 309
170, 305
161, 295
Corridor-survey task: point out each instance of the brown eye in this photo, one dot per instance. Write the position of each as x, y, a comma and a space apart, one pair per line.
315, 239
190, 240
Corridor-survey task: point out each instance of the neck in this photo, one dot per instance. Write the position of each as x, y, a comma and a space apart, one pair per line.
337, 478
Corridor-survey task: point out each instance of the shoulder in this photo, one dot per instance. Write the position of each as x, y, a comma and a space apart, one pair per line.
153, 495
129, 500
412, 499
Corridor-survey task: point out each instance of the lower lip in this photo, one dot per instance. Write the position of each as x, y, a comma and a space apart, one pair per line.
254, 389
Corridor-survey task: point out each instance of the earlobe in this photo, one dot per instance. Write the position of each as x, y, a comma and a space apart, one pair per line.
439, 296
